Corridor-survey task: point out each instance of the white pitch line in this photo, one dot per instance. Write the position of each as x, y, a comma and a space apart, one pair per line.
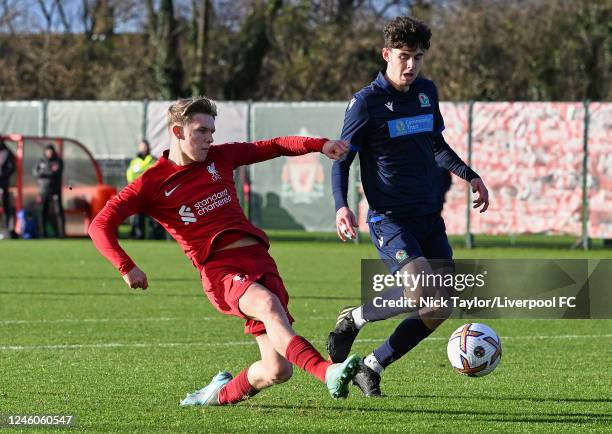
245, 342
124, 345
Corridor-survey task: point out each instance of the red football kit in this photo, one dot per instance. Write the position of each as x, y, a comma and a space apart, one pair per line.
196, 204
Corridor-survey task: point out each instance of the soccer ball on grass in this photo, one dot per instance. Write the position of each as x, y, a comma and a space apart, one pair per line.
474, 349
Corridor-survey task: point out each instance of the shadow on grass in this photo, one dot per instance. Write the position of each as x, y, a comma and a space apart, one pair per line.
510, 398
494, 416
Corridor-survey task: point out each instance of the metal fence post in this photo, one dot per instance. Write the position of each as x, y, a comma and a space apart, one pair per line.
246, 170
44, 118
469, 242
145, 108
585, 174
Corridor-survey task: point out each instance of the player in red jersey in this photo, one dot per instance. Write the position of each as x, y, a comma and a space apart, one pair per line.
190, 191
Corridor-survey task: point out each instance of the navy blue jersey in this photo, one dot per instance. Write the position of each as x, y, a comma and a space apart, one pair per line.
398, 136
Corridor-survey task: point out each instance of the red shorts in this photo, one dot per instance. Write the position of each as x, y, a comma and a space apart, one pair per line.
227, 274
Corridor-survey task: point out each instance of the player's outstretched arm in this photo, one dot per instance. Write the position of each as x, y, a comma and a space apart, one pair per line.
249, 153
103, 233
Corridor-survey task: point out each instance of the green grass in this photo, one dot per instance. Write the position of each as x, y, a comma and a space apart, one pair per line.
124, 358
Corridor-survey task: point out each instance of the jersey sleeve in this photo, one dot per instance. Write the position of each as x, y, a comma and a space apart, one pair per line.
249, 153
103, 228
449, 160
355, 120
445, 156
353, 131
438, 126
340, 179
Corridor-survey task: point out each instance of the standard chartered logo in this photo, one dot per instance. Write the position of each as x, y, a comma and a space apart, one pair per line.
203, 206
212, 202
186, 215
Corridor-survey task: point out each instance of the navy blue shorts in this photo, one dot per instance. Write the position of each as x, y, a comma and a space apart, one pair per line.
399, 240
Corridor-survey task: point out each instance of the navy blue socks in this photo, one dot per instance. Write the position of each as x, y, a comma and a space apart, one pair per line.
405, 337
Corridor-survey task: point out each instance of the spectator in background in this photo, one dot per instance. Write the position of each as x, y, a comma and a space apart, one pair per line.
7, 168
137, 167
48, 172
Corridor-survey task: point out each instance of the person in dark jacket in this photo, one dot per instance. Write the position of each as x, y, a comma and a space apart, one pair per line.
48, 172
7, 168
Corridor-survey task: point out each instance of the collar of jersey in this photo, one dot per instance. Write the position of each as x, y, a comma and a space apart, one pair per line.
164, 160
382, 82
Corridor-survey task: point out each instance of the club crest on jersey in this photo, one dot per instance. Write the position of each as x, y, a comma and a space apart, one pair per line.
424, 99
389, 105
213, 172
186, 215
401, 255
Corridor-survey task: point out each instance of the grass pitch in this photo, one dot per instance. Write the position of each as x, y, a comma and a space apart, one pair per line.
75, 340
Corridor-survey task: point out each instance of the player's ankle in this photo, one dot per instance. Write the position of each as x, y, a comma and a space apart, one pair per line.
372, 363
358, 319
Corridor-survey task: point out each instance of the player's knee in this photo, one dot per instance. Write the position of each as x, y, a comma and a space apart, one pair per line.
269, 305
280, 372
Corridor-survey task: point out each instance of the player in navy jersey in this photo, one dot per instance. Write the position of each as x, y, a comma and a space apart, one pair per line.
395, 126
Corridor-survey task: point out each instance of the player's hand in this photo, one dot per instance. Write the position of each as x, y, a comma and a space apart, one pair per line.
335, 149
135, 278
483, 194
346, 224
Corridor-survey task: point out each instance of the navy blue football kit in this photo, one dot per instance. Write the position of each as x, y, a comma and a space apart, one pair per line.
398, 136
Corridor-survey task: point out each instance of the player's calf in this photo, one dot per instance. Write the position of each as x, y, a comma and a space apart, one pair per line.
438, 310
276, 373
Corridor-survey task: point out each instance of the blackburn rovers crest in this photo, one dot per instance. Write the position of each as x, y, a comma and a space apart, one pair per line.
424, 100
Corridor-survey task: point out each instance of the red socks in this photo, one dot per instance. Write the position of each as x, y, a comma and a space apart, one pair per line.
301, 353
237, 389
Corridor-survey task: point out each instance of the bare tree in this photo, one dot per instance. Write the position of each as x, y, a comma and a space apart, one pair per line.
201, 26
8, 13
168, 65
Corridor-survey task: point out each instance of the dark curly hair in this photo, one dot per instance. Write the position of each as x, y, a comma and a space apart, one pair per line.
407, 31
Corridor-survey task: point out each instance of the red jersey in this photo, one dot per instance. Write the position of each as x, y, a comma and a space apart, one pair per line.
194, 203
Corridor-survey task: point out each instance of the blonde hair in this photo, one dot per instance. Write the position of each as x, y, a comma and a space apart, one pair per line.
182, 110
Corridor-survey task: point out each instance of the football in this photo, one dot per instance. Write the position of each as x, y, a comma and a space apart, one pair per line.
474, 349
